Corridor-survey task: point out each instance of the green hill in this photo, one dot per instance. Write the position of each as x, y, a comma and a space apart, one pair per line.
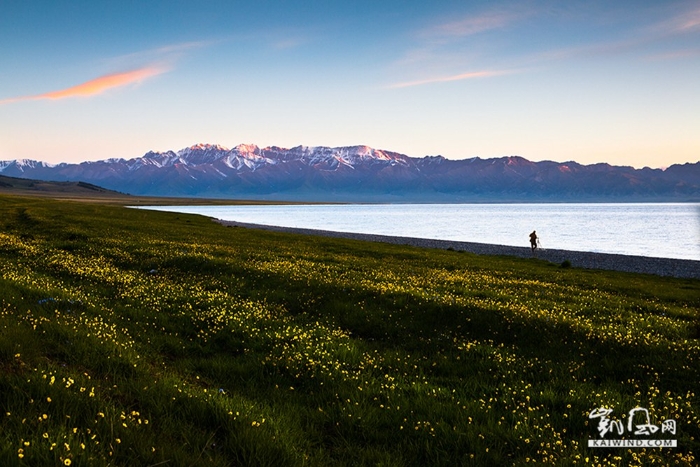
87, 192
130, 337
28, 186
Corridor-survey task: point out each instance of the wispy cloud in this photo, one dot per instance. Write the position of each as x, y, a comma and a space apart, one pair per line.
96, 86
458, 43
684, 23
289, 43
448, 46
638, 39
444, 79
139, 67
470, 25
164, 54
676, 54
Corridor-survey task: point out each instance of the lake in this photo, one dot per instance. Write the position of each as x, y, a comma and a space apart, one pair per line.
666, 230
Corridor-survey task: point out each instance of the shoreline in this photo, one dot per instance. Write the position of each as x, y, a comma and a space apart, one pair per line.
680, 268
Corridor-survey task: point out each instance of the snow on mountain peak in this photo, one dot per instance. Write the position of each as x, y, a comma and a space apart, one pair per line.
205, 147
241, 157
22, 164
363, 150
202, 154
247, 149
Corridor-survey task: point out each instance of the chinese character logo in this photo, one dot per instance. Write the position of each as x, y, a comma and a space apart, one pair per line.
638, 424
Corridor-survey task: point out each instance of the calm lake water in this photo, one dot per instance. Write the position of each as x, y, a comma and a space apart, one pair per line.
667, 230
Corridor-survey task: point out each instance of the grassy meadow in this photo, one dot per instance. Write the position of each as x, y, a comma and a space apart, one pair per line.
131, 337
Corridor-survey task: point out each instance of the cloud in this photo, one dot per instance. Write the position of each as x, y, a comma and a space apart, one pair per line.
289, 43
98, 85
164, 54
472, 24
140, 66
444, 79
449, 46
676, 54
684, 23
656, 34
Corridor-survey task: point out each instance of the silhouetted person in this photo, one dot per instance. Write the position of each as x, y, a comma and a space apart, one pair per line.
533, 241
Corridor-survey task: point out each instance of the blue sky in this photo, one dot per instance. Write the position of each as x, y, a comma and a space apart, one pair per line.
590, 81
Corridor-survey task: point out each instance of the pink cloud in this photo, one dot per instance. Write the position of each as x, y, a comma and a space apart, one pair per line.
682, 23
687, 22
444, 79
472, 25
676, 54
97, 86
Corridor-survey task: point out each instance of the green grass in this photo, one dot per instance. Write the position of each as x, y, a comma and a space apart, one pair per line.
130, 337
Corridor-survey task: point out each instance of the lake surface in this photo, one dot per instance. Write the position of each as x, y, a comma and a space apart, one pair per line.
666, 230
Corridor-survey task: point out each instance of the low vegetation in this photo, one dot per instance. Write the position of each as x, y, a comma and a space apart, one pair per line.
131, 337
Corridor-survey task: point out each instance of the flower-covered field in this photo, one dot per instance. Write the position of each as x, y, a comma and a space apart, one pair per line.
130, 337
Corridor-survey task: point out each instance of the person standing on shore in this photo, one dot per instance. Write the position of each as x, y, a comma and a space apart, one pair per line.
533, 241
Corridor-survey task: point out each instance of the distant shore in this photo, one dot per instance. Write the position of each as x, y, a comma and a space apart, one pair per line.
682, 268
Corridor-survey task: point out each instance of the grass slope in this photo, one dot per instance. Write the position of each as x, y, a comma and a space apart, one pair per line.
130, 337
28, 186
89, 193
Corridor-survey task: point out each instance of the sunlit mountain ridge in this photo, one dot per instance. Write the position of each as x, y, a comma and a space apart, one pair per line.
362, 173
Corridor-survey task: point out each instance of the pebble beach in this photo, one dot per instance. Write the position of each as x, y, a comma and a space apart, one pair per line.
579, 259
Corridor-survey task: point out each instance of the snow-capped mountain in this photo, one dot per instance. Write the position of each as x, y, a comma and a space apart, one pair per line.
22, 165
361, 173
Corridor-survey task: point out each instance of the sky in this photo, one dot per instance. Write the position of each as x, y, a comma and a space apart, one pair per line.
586, 81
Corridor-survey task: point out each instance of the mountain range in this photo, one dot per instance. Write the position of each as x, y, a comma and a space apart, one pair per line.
361, 173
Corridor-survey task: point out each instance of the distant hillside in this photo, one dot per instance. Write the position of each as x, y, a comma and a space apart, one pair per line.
360, 173
24, 185
82, 191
